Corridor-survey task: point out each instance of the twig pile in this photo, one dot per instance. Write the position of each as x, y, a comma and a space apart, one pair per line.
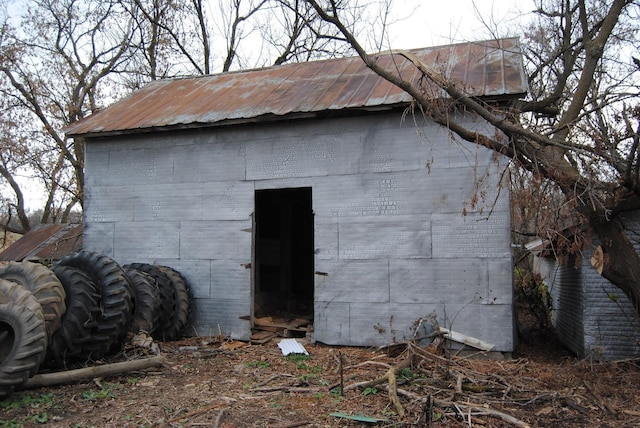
430, 387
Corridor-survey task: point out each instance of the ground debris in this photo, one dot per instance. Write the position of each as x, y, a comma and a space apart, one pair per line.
255, 385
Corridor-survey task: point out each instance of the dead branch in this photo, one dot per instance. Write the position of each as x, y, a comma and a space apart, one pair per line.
49, 379
367, 384
393, 394
197, 412
216, 424
274, 377
379, 380
484, 411
601, 403
297, 389
459, 383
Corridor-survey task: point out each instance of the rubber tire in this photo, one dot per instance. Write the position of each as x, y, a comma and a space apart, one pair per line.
23, 336
146, 301
45, 287
183, 303
167, 297
81, 317
116, 300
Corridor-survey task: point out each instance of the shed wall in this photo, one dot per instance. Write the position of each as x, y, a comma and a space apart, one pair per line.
392, 245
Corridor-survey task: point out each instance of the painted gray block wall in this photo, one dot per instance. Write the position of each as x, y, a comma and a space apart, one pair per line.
592, 317
567, 303
391, 241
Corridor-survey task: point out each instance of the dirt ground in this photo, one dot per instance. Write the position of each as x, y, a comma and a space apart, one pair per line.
212, 382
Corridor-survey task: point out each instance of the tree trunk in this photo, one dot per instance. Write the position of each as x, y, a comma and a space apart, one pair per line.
620, 262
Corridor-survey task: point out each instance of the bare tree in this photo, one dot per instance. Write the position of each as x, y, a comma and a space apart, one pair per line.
578, 130
300, 35
53, 65
191, 37
64, 59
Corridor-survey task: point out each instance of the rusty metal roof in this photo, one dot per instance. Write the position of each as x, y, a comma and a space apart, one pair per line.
490, 68
49, 242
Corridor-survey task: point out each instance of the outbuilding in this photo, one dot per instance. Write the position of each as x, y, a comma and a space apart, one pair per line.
591, 316
313, 190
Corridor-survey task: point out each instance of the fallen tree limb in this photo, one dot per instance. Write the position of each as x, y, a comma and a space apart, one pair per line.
58, 378
383, 379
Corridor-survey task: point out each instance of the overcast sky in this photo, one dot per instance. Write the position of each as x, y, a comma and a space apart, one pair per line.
423, 23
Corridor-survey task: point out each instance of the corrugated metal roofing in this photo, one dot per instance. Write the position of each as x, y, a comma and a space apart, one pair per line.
49, 242
291, 346
490, 68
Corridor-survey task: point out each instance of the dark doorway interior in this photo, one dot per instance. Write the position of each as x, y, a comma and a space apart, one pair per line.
284, 253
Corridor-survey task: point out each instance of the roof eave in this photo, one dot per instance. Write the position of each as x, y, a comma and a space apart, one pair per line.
267, 118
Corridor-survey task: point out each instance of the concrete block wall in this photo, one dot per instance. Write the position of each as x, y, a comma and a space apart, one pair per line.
592, 317
397, 234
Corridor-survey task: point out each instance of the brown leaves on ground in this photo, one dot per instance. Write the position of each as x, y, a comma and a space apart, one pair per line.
213, 383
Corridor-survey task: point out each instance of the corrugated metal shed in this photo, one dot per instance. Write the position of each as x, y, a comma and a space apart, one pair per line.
491, 69
49, 242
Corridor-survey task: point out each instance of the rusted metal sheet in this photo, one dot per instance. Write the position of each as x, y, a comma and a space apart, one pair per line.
50, 242
66, 241
491, 68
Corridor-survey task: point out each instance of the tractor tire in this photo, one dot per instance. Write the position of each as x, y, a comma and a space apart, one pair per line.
183, 303
116, 300
45, 287
146, 301
23, 336
81, 318
167, 297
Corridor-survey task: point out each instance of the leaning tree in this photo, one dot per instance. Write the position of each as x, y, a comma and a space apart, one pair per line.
577, 131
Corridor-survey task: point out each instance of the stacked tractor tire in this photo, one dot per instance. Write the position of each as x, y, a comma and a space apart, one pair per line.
82, 309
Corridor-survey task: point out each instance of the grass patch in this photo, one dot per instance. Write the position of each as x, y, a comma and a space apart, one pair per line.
26, 400
258, 364
105, 392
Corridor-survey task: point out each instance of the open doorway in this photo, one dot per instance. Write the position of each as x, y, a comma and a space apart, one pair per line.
284, 248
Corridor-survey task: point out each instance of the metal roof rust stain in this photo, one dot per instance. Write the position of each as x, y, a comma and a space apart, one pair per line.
490, 68
48, 242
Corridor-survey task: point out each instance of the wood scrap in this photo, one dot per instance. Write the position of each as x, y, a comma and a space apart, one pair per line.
68, 376
466, 339
282, 327
261, 337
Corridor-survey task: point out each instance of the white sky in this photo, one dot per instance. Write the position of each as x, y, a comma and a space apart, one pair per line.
424, 23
